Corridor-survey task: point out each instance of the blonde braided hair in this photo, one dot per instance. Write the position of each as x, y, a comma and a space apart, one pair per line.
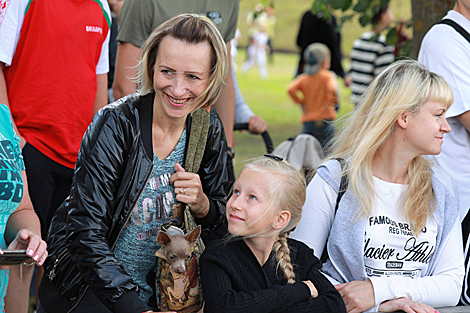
283, 258
287, 190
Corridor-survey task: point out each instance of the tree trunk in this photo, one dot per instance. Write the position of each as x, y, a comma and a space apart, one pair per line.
425, 14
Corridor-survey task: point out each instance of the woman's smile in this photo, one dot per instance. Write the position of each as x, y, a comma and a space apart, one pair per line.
181, 75
178, 102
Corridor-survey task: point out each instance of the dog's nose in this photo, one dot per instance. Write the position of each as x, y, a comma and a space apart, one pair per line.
180, 270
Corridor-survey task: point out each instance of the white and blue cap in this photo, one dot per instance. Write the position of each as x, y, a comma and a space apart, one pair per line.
314, 56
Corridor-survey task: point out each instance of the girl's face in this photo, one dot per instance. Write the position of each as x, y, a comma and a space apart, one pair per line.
427, 128
182, 74
247, 209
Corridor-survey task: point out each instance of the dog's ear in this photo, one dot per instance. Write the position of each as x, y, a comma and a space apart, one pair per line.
194, 235
163, 239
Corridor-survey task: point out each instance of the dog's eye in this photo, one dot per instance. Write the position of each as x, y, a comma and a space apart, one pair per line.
172, 258
188, 256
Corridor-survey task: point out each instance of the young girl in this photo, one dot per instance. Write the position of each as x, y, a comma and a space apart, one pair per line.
395, 238
264, 271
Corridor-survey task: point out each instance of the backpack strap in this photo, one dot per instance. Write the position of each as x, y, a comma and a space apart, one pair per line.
343, 186
457, 27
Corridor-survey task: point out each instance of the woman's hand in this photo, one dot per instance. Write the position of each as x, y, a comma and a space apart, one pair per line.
407, 305
358, 296
188, 189
311, 286
33, 244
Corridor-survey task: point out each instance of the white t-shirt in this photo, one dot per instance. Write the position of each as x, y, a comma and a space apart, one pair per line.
389, 281
447, 53
390, 249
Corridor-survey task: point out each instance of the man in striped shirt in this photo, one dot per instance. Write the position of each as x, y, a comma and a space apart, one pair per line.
370, 54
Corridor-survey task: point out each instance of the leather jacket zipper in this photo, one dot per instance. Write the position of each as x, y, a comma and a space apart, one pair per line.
57, 261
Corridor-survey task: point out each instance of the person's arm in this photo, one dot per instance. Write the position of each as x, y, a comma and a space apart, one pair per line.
91, 212
101, 93
225, 105
127, 58
4, 100
464, 118
243, 113
328, 298
23, 232
317, 215
333, 87
293, 88
441, 289
220, 296
23, 228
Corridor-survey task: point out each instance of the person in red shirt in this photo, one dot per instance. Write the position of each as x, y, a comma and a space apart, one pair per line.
53, 77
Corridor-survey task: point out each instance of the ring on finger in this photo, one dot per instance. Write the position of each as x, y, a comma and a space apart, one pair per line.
182, 191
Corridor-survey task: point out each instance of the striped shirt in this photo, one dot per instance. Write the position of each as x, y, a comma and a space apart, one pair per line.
369, 57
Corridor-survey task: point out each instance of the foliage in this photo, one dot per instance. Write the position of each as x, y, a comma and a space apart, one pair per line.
365, 10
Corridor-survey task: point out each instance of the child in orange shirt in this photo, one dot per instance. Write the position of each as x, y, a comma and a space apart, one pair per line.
319, 95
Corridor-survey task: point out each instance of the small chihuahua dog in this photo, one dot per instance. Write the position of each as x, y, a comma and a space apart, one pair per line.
176, 246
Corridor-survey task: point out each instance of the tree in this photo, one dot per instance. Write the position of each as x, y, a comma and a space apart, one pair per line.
425, 14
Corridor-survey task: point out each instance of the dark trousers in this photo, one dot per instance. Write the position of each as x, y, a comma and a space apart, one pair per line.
322, 130
48, 183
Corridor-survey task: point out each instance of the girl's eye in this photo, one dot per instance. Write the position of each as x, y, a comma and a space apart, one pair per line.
192, 77
439, 115
236, 192
253, 197
166, 72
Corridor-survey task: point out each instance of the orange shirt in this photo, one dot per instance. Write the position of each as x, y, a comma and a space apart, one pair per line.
319, 95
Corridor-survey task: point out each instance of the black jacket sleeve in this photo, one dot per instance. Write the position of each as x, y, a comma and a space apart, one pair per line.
91, 211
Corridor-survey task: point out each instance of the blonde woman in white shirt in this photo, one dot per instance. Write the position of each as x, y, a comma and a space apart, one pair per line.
395, 242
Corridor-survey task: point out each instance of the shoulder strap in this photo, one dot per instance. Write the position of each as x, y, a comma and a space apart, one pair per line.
197, 139
343, 185
457, 27
196, 146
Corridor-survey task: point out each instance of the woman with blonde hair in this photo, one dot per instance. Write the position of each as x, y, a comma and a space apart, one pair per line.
394, 238
259, 269
130, 172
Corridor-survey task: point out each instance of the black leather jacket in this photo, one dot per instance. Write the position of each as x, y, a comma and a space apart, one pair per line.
112, 169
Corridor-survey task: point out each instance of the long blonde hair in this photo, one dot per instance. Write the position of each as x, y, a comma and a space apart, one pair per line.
404, 86
192, 29
287, 191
